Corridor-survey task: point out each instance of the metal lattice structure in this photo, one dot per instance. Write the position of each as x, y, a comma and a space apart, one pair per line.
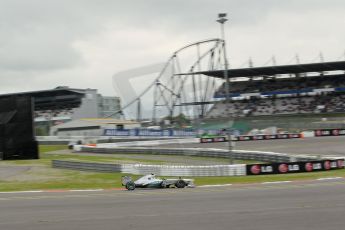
177, 89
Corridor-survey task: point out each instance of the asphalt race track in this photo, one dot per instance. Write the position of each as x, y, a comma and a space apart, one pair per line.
312, 205
310, 145
308, 205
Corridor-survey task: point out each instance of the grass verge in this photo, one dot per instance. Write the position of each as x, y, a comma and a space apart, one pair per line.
42, 176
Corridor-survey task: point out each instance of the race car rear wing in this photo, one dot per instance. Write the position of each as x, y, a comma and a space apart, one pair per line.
126, 179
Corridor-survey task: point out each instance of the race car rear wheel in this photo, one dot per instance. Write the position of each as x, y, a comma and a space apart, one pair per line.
130, 185
180, 184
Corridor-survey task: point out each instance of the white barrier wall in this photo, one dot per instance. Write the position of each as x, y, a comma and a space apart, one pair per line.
160, 170
308, 134
180, 170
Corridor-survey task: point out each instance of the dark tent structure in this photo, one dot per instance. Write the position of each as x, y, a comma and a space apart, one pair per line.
17, 138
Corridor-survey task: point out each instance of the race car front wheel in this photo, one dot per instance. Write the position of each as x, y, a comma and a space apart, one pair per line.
130, 185
180, 184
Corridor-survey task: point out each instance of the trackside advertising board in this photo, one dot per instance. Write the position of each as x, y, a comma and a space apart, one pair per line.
213, 139
329, 132
251, 138
294, 167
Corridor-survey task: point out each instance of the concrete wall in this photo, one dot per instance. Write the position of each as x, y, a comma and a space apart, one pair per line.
88, 107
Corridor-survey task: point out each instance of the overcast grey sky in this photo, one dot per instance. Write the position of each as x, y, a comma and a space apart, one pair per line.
83, 43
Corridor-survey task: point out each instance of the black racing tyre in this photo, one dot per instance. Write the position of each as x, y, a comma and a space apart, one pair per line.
130, 186
180, 184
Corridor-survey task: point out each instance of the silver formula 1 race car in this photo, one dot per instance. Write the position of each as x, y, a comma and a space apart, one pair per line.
151, 181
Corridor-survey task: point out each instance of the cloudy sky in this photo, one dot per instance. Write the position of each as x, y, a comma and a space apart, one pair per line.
83, 43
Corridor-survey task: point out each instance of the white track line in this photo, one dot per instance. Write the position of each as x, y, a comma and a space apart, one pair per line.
41, 191
214, 185
86, 190
330, 178
276, 182
35, 191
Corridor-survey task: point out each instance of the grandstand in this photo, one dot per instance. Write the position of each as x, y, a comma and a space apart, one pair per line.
307, 104
93, 105
276, 92
288, 84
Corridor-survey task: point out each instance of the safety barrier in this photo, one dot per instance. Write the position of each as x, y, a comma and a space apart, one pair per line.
251, 137
329, 132
202, 152
86, 166
208, 170
160, 170
295, 167
150, 142
187, 170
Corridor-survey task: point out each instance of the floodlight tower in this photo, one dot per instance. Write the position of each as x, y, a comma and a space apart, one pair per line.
222, 19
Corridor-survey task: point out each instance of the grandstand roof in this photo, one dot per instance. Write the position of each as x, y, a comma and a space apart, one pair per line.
275, 70
58, 98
